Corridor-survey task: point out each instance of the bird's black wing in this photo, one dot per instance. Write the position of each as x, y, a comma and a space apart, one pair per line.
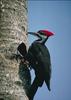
40, 60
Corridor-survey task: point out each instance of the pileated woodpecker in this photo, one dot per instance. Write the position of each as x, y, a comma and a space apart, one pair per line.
38, 57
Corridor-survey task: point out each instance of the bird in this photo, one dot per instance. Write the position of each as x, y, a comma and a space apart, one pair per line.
39, 59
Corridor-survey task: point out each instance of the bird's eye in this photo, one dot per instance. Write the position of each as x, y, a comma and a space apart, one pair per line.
41, 33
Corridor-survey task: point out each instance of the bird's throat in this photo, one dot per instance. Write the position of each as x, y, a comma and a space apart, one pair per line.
42, 40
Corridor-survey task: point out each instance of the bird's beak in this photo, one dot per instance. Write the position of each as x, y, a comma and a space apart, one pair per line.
33, 33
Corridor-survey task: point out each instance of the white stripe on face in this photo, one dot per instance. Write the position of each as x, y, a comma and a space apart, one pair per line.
42, 36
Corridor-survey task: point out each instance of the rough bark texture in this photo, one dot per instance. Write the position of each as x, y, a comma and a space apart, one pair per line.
14, 76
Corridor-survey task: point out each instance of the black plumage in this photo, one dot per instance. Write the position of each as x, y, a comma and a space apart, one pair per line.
39, 59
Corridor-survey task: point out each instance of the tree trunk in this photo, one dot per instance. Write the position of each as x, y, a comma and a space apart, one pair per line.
13, 31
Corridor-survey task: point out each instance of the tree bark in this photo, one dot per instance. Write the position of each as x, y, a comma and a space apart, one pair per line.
13, 31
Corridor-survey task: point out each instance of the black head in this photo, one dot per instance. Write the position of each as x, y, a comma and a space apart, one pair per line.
43, 35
